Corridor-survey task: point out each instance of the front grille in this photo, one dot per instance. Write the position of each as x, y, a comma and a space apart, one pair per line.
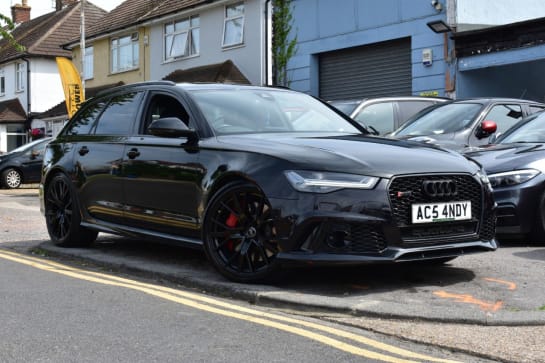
407, 190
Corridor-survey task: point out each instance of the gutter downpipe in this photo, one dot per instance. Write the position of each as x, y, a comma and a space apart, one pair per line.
28, 103
268, 42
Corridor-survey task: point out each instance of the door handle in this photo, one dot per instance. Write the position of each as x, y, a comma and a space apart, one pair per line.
133, 153
83, 150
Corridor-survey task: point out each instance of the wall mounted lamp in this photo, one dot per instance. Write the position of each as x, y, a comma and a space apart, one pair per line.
439, 26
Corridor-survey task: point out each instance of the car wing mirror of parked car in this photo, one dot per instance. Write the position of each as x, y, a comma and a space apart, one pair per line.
485, 129
34, 154
171, 127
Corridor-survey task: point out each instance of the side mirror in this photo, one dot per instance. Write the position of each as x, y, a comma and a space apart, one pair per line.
34, 154
485, 129
171, 127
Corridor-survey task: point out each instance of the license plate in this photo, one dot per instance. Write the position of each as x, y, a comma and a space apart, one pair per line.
441, 212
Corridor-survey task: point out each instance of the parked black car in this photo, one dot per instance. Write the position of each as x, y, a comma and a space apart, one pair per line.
23, 164
385, 114
466, 123
258, 177
516, 169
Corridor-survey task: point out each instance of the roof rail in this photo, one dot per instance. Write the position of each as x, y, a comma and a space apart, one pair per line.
136, 84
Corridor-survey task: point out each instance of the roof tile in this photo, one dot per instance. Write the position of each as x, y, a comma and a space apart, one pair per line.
44, 35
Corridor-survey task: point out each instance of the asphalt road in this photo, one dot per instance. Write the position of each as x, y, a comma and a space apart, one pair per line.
491, 305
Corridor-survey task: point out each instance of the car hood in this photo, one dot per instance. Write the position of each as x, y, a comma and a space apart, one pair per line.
352, 153
506, 157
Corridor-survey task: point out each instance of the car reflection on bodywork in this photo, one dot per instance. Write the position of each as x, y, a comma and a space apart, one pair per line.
516, 168
260, 178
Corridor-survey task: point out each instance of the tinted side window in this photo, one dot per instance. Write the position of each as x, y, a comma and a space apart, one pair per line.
162, 106
82, 122
119, 116
504, 116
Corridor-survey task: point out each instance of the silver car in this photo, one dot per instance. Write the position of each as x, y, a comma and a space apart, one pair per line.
466, 123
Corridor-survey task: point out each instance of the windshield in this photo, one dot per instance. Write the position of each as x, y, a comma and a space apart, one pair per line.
441, 119
232, 111
346, 107
531, 129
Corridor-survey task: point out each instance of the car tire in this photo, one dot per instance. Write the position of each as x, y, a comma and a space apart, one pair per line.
537, 234
12, 178
238, 235
62, 215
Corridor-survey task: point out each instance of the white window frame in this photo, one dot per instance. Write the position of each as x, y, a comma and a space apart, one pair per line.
19, 77
189, 37
233, 19
117, 45
88, 72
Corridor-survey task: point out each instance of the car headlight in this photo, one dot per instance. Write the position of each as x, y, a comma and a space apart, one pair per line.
325, 182
512, 177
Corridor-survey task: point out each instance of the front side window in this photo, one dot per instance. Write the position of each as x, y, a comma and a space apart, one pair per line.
182, 38
20, 77
125, 53
504, 116
119, 116
88, 69
233, 26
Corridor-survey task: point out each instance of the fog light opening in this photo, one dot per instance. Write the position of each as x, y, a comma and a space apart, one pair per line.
337, 239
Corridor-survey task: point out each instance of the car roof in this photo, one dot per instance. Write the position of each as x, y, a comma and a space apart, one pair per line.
392, 98
486, 100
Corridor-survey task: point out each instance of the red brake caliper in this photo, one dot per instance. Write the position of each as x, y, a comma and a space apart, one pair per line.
231, 222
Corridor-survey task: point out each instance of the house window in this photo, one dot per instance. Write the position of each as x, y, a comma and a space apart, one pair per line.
2, 83
125, 53
182, 38
88, 68
233, 26
20, 77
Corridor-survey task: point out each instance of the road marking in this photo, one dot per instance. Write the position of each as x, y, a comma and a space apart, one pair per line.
510, 285
466, 298
215, 306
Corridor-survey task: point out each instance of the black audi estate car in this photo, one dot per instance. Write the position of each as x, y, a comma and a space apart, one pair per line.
259, 177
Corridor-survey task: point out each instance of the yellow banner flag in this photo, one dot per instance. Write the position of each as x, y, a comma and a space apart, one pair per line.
71, 83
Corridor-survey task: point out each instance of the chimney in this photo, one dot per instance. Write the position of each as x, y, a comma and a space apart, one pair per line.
20, 13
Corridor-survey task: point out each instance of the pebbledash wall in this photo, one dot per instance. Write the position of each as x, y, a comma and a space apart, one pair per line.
387, 42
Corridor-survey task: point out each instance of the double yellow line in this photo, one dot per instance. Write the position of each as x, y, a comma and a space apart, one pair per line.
203, 303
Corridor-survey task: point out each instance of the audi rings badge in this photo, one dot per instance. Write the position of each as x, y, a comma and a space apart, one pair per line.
439, 188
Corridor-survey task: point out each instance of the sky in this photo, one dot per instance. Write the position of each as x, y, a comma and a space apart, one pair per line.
40, 7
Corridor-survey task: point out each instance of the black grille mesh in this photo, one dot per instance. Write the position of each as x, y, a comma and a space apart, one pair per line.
411, 191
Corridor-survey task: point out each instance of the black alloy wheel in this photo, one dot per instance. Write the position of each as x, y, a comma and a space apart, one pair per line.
62, 215
238, 234
11, 178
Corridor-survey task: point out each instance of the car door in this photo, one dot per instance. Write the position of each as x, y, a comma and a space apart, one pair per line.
99, 153
504, 115
31, 163
162, 176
